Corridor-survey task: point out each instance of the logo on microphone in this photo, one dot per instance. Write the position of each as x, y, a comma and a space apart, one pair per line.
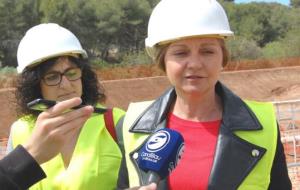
158, 141
179, 153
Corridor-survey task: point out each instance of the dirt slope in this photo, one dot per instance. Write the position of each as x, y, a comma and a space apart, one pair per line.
264, 85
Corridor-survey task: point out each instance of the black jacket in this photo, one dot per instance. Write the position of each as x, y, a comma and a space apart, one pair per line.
18, 170
236, 116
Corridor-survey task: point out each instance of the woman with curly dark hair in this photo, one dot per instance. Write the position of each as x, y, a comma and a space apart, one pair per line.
54, 66
29, 89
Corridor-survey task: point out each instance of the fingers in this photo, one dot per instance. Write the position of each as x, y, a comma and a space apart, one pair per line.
56, 121
70, 126
59, 114
70, 116
54, 126
63, 106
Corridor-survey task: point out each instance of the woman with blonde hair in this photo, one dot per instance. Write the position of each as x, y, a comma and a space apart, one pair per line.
230, 143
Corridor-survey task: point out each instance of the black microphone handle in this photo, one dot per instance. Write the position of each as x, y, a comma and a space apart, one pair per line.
153, 177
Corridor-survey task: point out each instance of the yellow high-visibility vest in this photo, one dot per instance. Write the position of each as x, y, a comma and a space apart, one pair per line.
95, 161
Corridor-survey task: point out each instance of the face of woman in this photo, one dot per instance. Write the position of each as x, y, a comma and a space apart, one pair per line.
193, 65
70, 85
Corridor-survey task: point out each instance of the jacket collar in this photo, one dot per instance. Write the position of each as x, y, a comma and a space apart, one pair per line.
236, 114
154, 116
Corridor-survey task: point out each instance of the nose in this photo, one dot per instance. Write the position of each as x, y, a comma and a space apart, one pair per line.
195, 60
64, 83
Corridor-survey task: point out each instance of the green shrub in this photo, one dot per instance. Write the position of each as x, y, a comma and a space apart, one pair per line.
292, 43
274, 50
100, 63
243, 49
289, 46
140, 57
8, 71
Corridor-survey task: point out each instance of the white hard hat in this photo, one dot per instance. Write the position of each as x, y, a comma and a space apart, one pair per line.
46, 41
176, 19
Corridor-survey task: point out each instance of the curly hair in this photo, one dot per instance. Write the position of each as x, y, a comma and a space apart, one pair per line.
28, 85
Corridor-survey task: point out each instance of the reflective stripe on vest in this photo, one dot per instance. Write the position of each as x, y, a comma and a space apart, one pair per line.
258, 178
95, 161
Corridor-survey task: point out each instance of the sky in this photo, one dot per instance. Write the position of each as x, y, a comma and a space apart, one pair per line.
285, 2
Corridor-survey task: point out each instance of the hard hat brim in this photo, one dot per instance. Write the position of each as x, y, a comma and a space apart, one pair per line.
37, 62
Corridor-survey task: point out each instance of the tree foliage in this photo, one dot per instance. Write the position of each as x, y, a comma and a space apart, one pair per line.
261, 29
242, 48
260, 22
295, 3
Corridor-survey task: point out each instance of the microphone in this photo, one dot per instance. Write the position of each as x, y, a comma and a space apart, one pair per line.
160, 154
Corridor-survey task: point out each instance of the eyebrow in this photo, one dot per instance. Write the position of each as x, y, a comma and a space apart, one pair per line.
54, 71
202, 45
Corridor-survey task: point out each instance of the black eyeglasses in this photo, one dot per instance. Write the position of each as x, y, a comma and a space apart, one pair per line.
54, 78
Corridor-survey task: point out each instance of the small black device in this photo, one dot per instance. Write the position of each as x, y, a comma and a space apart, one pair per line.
42, 105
